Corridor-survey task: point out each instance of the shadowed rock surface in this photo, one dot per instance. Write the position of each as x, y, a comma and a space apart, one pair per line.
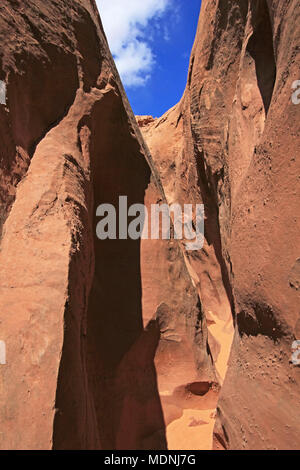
80, 371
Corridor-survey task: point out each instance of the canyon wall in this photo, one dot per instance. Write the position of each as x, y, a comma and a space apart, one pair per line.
232, 144
97, 333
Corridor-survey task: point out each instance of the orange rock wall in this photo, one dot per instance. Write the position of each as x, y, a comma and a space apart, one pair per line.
81, 319
232, 143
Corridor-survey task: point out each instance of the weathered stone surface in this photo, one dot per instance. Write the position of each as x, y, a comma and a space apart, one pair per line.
86, 324
232, 142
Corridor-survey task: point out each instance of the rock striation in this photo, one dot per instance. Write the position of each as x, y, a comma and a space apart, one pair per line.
232, 143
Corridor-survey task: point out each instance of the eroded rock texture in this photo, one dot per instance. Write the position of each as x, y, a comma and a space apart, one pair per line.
232, 143
94, 331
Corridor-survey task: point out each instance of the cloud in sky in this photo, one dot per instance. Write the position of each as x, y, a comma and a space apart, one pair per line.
125, 23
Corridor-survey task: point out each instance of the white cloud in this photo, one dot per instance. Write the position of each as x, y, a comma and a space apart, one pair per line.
125, 23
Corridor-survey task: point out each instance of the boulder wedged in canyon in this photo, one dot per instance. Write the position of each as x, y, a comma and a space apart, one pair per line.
105, 340
232, 143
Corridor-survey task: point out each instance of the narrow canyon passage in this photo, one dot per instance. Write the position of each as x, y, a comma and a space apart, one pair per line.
188, 393
118, 343
189, 397
188, 403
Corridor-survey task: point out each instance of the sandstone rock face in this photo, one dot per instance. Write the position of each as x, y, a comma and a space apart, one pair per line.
96, 332
232, 143
126, 344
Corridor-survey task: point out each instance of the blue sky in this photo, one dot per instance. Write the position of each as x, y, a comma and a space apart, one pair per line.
151, 41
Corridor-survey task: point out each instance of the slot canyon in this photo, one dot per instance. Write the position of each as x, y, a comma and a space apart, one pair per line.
142, 344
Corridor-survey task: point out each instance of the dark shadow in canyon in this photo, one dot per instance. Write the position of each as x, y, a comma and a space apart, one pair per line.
121, 353
120, 406
260, 47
